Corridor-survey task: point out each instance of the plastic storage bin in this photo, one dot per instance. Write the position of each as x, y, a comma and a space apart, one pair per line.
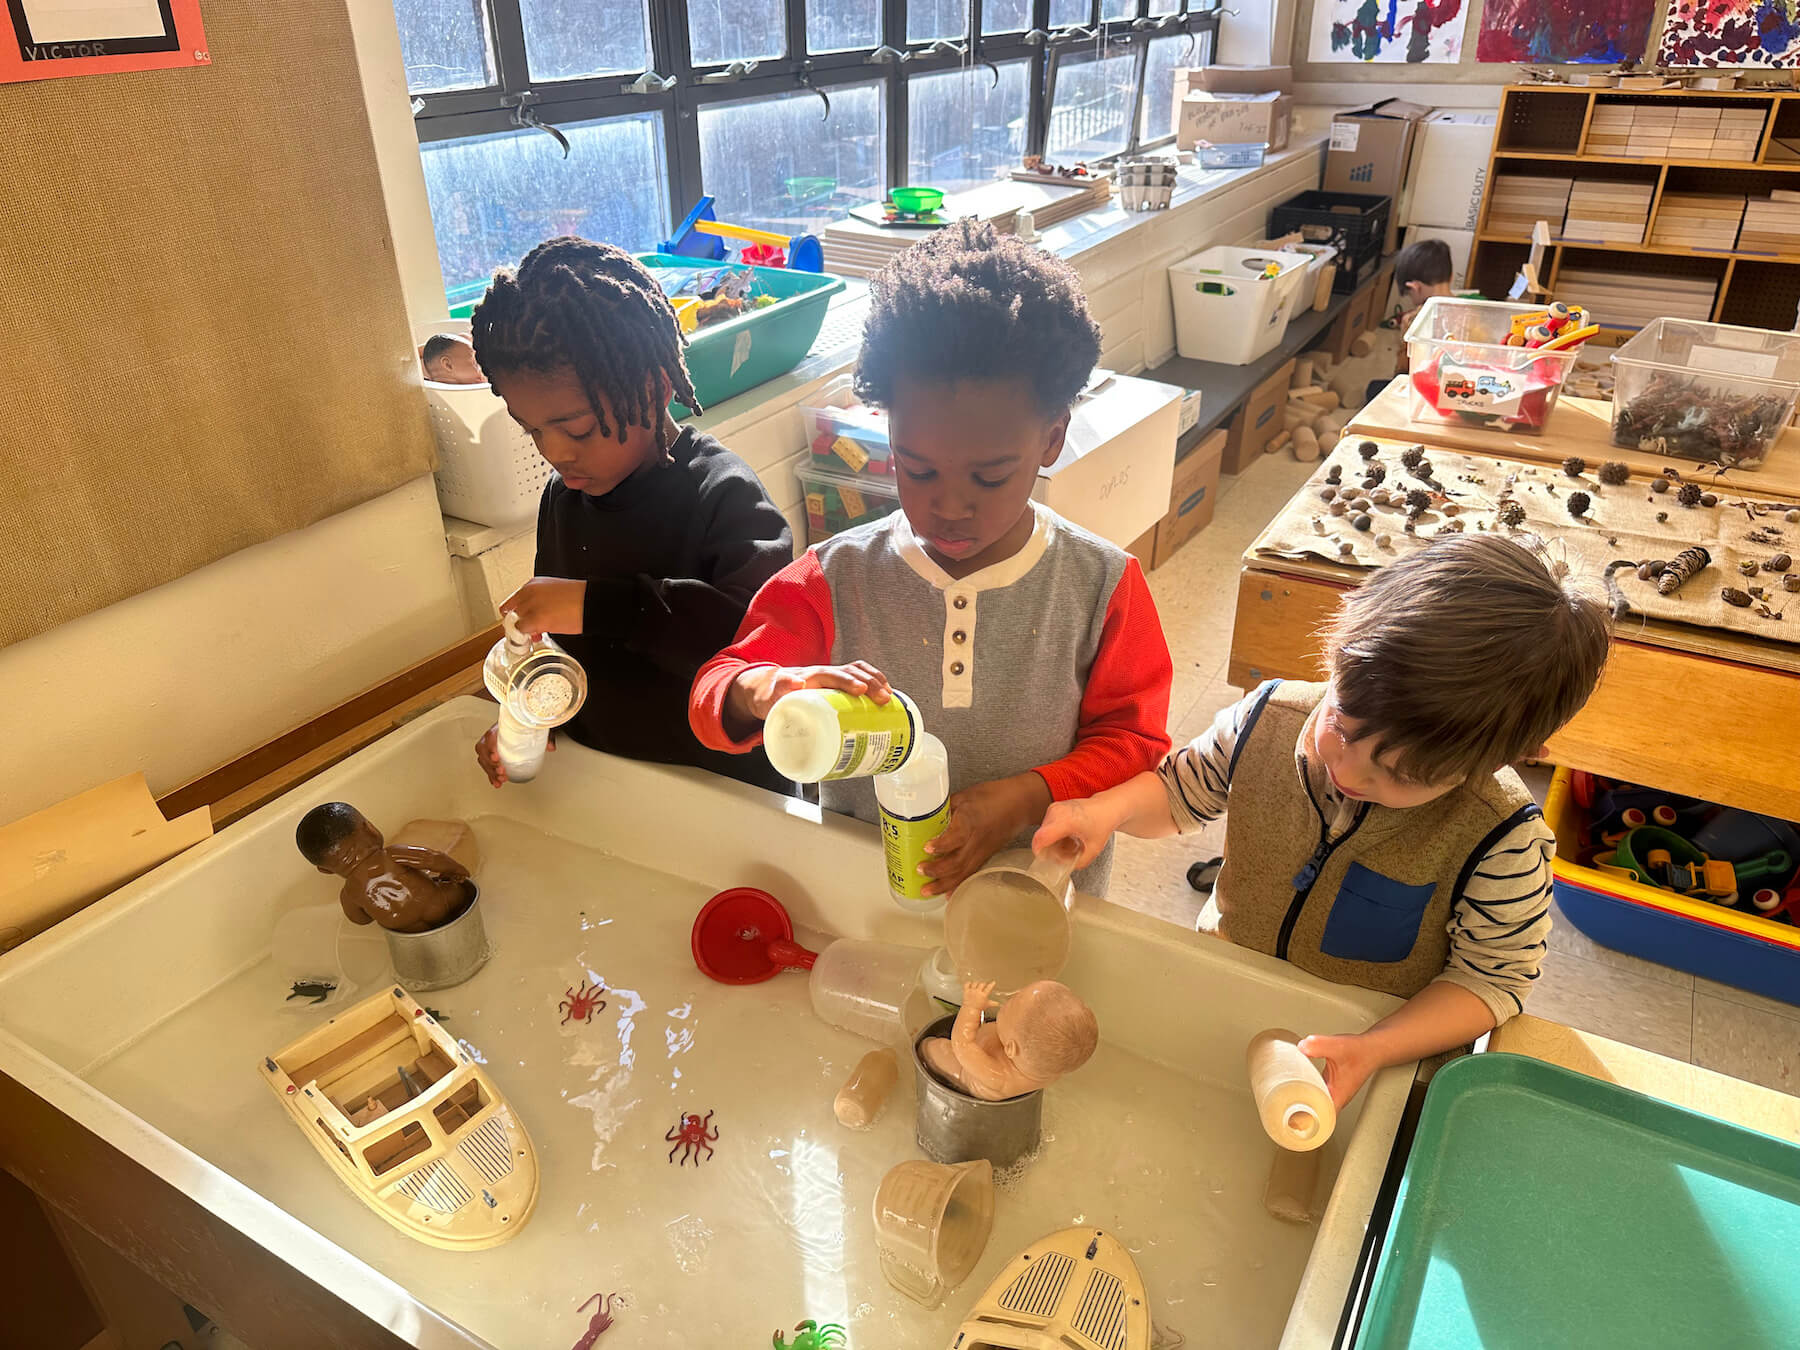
1463, 371
1226, 310
837, 500
1233, 155
489, 471
1704, 391
741, 353
1719, 943
1354, 223
845, 434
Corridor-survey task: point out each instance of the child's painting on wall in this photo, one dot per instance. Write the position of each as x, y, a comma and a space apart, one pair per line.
1558, 32
1409, 31
1731, 33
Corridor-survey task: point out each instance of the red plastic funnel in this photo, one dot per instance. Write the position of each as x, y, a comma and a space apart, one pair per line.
744, 936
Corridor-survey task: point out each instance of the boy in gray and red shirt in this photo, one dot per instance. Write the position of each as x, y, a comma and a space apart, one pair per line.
1031, 647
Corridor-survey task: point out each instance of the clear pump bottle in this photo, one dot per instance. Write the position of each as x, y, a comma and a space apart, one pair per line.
538, 686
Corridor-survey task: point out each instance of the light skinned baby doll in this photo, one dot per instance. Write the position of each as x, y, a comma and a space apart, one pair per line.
1041, 1033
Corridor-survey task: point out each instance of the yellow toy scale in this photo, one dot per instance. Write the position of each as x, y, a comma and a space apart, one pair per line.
410, 1124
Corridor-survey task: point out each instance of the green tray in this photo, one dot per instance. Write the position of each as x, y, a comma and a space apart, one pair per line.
1541, 1208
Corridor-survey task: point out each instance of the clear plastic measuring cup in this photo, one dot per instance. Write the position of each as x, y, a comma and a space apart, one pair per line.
1010, 922
872, 989
931, 1225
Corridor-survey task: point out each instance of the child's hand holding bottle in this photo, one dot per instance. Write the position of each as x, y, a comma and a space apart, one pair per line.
759, 688
547, 605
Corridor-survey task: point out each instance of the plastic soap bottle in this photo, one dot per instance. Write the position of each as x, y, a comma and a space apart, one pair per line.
915, 807
538, 686
820, 735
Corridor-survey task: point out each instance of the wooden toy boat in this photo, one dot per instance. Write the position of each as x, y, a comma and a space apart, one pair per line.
1077, 1289
410, 1123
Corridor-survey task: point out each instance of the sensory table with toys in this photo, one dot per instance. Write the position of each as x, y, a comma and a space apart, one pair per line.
693, 1184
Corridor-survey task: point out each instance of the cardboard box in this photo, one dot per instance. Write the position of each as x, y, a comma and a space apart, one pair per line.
1226, 119
1143, 548
1234, 80
1262, 414
1352, 323
1193, 496
1117, 461
1461, 243
1369, 151
1448, 170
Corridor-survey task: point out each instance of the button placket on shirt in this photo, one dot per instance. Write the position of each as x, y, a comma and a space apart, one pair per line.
959, 648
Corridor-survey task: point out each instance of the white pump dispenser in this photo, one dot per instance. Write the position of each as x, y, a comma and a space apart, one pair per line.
538, 686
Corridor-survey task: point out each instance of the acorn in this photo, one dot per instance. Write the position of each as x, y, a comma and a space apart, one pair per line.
1709, 499
1659, 485
1747, 567
1327, 493
1779, 563
1363, 521
1731, 595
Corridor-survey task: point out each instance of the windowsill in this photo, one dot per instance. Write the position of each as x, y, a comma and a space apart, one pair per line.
834, 353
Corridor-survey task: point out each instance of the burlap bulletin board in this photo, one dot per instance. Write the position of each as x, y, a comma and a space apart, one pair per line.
204, 343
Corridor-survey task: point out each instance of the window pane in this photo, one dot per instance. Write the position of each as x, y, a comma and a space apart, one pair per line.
774, 164
842, 25
444, 44
1006, 16
1070, 13
1118, 9
1092, 107
927, 20
964, 130
735, 30
495, 198
1166, 56
576, 39
1165, 6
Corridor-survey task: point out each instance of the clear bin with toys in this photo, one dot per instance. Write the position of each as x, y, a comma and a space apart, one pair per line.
1489, 364
1706, 889
837, 500
1705, 391
845, 434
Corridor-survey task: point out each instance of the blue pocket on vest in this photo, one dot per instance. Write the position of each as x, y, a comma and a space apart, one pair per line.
1375, 918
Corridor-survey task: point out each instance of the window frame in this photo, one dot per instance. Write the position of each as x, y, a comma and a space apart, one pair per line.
684, 88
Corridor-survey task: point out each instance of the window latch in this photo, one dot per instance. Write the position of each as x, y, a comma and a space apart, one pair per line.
524, 118
1074, 35
418, 106
1037, 37
942, 47
648, 83
735, 71
884, 55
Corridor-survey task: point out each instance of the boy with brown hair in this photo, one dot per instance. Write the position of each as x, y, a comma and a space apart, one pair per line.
1377, 836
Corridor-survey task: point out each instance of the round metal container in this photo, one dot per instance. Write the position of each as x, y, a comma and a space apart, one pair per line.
954, 1127
443, 956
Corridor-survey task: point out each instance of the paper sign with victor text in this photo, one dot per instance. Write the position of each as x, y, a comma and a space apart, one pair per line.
45, 39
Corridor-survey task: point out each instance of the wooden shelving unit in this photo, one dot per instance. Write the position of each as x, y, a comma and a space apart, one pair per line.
1549, 129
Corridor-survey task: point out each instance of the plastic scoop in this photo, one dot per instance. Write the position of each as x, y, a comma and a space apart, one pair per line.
744, 936
931, 1225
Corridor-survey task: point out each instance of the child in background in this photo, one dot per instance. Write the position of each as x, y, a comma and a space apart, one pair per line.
1422, 270
449, 358
1031, 647
651, 539
1375, 835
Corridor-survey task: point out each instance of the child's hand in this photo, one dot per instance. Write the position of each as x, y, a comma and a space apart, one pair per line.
1349, 1062
487, 754
983, 818
547, 605
757, 690
1080, 821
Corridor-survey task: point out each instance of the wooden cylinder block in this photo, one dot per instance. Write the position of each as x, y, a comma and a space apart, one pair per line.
1306, 444
1363, 345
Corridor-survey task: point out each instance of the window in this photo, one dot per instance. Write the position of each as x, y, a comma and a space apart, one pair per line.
1092, 102
788, 113
785, 164
494, 198
578, 39
445, 46
844, 25
736, 30
967, 126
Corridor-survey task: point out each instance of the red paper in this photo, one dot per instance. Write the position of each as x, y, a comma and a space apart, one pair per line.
47, 39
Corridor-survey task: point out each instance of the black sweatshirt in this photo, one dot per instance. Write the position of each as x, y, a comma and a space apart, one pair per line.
671, 558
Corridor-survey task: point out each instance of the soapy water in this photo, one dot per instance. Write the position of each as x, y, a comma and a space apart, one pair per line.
548, 697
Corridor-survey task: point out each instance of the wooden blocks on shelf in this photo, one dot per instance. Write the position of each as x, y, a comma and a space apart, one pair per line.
1608, 210
1771, 224
1670, 129
1697, 220
1632, 299
1517, 201
1739, 135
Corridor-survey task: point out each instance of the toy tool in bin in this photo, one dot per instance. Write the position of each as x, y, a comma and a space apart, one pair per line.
1465, 368
703, 235
841, 501
844, 433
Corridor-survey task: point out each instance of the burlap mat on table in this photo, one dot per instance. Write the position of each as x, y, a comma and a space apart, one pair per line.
1620, 523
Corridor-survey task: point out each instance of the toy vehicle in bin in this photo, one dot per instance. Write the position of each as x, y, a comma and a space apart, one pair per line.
837, 501
846, 434
1475, 361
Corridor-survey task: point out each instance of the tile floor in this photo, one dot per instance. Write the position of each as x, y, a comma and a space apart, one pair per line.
1583, 984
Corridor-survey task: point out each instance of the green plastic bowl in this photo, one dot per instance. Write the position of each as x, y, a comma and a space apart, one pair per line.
917, 201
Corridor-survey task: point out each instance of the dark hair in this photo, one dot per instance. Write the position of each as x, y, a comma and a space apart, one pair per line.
593, 309
440, 344
968, 303
323, 828
1465, 656
1426, 261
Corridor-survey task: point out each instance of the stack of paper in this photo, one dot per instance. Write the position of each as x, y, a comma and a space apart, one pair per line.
856, 248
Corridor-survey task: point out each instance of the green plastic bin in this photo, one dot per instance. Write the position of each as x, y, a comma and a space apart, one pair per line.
1545, 1209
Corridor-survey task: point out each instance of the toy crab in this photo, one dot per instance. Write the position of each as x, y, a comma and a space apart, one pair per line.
813, 1336
690, 1137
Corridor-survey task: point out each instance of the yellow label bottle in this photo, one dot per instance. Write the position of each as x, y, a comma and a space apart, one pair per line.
821, 735
915, 807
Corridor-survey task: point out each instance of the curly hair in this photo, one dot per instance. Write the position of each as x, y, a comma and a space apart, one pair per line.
593, 309
969, 303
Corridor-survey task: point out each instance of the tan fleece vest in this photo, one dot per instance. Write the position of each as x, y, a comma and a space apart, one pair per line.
1372, 908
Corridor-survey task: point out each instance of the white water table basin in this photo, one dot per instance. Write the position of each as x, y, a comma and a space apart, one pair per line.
594, 873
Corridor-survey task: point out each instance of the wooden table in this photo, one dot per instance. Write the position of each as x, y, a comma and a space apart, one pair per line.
1689, 710
1687, 1085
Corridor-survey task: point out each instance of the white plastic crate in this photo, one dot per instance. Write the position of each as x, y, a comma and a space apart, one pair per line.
1225, 310
489, 471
